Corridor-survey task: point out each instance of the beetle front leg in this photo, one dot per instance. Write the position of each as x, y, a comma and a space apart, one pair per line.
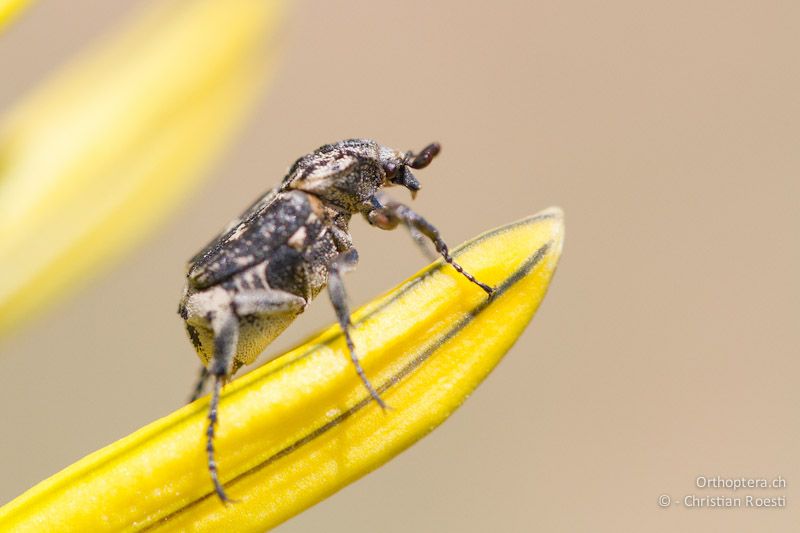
392, 214
379, 201
344, 262
422, 244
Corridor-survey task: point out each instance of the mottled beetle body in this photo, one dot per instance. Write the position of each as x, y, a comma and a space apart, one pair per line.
246, 286
281, 249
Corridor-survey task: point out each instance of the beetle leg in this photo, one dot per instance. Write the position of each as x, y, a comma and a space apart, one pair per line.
226, 337
267, 302
201, 383
393, 213
341, 238
378, 201
419, 240
342, 263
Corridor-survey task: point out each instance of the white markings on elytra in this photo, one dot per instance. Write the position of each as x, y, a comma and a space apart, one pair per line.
298, 239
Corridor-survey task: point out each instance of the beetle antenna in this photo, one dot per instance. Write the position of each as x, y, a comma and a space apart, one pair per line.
424, 158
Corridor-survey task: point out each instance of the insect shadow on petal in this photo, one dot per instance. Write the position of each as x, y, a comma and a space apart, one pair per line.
246, 286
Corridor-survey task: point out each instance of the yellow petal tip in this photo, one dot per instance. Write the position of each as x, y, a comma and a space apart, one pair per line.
302, 427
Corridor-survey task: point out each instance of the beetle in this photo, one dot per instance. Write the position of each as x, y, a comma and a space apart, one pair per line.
245, 287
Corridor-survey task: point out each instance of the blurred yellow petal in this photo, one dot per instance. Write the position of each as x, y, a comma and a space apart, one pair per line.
97, 157
9, 9
302, 427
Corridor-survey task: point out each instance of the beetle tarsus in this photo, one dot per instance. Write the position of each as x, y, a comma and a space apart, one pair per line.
212, 423
441, 247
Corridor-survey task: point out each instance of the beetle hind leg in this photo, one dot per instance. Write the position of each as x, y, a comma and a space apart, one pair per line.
202, 379
225, 324
267, 302
342, 263
226, 337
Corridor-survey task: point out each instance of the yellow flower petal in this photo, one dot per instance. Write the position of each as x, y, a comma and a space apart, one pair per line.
9, 9
95, 159
302, 427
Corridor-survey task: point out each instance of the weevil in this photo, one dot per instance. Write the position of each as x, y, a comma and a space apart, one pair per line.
245, 287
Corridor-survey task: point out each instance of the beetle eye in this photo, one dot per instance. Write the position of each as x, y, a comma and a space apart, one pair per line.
391, 170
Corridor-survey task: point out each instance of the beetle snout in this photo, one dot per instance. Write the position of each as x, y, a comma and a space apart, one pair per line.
407, 180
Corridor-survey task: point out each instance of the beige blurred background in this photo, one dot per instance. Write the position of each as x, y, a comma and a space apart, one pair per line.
667, 347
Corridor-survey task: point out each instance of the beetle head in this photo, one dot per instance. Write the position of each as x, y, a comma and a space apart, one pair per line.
397, 165
349, 173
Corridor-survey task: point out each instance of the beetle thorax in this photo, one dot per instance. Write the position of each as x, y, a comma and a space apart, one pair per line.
344, 175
